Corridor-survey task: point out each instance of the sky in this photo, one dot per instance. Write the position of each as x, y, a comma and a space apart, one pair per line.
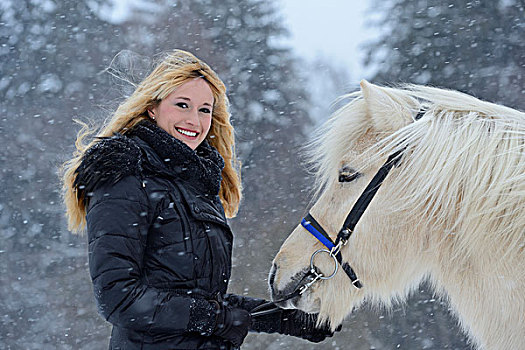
332, 29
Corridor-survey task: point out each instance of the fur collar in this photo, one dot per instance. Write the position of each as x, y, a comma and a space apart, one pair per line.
148, 149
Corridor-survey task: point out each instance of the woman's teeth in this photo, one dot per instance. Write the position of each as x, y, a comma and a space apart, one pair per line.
186, 132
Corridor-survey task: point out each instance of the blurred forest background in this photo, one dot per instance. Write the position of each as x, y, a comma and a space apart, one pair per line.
53, 54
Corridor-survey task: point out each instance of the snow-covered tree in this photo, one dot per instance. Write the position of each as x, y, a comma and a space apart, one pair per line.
473, 46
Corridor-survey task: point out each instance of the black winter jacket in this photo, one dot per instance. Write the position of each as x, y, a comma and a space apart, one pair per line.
159, 243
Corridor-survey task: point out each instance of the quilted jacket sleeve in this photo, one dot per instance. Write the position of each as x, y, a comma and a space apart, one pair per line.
117, 223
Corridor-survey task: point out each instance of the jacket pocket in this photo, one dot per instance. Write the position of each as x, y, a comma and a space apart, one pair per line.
168, 228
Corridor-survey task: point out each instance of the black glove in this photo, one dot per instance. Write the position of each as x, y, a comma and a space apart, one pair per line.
232, 324
292, 322
303, 325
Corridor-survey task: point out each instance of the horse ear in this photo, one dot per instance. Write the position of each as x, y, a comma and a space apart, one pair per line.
389, 109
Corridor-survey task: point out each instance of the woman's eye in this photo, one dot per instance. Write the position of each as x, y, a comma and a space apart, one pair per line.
182, 105
205, 110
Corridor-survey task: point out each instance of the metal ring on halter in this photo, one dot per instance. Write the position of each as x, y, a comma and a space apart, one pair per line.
312, 266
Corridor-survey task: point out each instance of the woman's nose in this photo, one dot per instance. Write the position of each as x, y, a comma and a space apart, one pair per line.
193, 118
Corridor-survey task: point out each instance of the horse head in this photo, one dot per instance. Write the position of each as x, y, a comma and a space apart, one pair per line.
460, 171
374, 113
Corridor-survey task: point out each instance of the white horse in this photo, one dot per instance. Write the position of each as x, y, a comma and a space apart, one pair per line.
452, 212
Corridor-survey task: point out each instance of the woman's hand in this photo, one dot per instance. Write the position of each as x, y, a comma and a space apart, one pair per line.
232, 324
300, 324
271, 319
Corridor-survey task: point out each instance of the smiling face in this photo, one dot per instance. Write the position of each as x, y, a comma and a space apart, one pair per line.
186, 113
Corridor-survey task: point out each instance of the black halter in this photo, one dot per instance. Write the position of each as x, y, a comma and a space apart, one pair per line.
334, 248
352, 219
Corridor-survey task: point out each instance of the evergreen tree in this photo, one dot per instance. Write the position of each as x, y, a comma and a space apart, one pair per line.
53, 52
475, 46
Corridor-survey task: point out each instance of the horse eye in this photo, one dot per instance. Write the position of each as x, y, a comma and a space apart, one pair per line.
347, 174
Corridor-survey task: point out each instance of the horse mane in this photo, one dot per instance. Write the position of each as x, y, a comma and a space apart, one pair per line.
463, 165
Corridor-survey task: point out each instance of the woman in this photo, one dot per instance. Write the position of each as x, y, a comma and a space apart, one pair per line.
154, 190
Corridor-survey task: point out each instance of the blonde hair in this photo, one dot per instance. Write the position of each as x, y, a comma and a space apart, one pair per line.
174, 70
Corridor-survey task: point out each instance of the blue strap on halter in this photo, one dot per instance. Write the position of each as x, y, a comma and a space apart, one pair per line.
307, 224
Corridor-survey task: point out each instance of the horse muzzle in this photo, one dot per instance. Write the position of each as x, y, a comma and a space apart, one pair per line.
287, 295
